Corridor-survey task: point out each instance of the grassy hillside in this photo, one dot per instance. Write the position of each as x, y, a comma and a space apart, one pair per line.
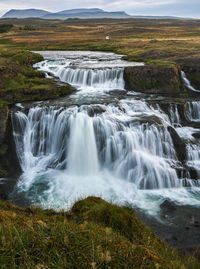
94, 234
19, 81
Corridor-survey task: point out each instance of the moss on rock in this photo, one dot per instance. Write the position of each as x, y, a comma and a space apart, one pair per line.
153, 79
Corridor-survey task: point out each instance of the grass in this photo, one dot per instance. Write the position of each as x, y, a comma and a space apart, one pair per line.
94, 234
131, 37
156, 42
20, 82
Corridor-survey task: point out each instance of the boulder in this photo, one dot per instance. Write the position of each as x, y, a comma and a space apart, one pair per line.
153, 79
167, 207
179, 144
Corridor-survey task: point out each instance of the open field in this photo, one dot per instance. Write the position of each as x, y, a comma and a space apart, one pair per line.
163, 39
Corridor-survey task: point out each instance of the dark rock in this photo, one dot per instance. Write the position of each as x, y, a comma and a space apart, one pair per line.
153, 79
6, 187
3, 122
9, 162
167, 207
179, 144
174, 238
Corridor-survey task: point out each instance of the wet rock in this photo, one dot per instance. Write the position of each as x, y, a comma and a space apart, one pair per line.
179, 144
3, 122
153, 79
6, 187
167, 207
9, 163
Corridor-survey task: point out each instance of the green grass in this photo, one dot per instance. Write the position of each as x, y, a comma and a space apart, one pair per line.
20, 82
94, 234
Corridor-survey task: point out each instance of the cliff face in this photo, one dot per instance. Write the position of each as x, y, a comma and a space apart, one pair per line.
3, 122
153, 79
9, 164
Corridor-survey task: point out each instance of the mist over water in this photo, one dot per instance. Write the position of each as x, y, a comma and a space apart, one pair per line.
123, 152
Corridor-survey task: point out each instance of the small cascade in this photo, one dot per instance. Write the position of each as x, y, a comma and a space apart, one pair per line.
187, 82
108, 78
86, 71
193, 111
174, 115
194, 157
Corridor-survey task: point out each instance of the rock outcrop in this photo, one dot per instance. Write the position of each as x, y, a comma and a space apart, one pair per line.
3, 122
9, 164
153, 79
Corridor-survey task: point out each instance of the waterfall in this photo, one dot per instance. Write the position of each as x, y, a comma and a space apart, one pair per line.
71, 144
88, 71
107, 78
82, 155
193, 111
174, 115
124, 152
187, 82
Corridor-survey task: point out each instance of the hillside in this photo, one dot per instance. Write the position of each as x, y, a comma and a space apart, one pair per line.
94, 234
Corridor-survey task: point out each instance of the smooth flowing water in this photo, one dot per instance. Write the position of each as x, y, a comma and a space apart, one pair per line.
123, 151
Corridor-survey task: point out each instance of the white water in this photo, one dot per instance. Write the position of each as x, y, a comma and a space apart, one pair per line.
96, 71
193, 111
187, 82
122, 152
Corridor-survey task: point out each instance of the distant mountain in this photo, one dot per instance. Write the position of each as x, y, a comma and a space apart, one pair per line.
25, 13
80, 10
81, 13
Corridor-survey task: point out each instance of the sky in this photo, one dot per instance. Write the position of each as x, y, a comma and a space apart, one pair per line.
181, 8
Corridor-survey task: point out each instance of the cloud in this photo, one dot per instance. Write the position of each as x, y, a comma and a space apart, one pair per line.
147, 7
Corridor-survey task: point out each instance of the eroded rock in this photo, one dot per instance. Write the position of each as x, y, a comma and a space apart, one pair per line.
153, 79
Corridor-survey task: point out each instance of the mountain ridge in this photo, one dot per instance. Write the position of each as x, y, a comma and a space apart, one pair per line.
64, 14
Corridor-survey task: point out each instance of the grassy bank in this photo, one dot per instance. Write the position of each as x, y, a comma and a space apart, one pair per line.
19, 81
94, 234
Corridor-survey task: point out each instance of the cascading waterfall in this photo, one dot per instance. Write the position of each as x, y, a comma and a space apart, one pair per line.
108, 79
62, 147
122, 152
174, 115
88, 71
193, 111
187, 82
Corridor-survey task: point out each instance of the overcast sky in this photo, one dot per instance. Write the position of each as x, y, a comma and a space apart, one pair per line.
181, 8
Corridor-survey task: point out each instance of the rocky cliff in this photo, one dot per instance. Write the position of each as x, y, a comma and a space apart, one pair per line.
153, 79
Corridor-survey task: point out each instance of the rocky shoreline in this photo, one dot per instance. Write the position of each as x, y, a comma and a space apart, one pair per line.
178, 225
